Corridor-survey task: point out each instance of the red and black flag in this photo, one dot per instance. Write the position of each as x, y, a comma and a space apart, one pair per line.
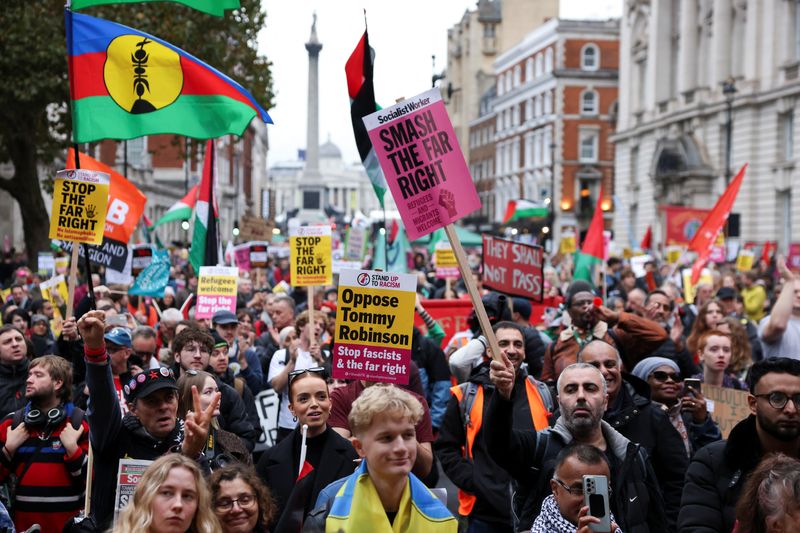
298, 504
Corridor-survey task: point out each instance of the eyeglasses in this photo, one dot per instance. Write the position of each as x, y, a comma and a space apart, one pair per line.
114, 348
191, 348
575, 491
778, 399
315, 370
245, 501
662, 376
144, 355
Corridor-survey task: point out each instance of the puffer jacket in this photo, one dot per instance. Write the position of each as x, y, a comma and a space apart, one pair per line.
530, 457
715, 479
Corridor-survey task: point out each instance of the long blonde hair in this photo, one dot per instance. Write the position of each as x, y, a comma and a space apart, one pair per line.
138, 514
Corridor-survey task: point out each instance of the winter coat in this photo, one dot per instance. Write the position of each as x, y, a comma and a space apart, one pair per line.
12, 386
530, 457
645, 423
715, 479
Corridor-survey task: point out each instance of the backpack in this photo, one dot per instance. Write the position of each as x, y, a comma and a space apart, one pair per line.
471, 389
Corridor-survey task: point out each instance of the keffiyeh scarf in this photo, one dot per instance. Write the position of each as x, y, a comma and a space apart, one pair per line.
551, 521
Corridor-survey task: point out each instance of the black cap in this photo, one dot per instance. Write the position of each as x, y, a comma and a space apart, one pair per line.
523, 307
145, 383
727, 293
224, 316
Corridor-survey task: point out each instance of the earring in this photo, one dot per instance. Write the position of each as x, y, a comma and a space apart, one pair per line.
294, 419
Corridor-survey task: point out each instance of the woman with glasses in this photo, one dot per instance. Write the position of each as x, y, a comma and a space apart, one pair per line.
171, 497
241, 501
686, 409
222, 446
331, 455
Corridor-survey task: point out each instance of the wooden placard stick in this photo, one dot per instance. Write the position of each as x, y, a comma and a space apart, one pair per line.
310, 305
73, 279
472, 288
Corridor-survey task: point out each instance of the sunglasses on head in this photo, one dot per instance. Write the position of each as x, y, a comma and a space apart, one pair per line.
662, 376
318, 370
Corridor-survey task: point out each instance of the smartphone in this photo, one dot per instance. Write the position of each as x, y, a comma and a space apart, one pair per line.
693, 383
595, 495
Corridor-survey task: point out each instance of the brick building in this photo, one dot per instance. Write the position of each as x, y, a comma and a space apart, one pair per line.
554, 110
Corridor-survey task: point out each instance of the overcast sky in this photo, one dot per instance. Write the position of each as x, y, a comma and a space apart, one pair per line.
404, 36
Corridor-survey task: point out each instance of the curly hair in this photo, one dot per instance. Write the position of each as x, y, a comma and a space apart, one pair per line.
772, 490
235, 470
192, 335
138, 514
302, 321
699, 327
741, 352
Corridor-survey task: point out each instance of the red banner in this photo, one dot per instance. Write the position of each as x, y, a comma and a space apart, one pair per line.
682, 223
452, 314
513, 267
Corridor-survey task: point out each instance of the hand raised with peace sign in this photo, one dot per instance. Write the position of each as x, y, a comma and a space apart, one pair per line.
197, 424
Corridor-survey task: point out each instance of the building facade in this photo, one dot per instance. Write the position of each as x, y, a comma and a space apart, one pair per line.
474, 43
684, 66
554, 111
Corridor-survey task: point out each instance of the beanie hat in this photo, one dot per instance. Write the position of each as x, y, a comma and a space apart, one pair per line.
647, 366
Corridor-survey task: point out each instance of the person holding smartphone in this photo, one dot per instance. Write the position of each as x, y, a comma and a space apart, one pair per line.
565, 510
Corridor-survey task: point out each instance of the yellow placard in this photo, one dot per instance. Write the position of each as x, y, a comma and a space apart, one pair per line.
568, 245
688, 288
80, 202
674, 254
374, 321
310, 259
744, 261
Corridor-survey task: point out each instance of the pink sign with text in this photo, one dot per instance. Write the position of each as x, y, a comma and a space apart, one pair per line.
423, 164
216, 290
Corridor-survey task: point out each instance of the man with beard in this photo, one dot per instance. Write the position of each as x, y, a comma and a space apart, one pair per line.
45, 446
635, 337
718, 472
530, 456
631, 412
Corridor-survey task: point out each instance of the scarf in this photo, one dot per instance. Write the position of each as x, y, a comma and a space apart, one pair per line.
551, 521
597, 332
357, 508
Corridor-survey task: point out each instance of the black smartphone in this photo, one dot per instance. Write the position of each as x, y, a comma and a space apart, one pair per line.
694, 383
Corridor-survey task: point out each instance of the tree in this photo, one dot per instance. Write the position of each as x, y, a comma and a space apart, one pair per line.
34, 98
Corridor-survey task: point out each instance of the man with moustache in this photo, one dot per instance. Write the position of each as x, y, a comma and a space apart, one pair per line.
13, 369
530, 456
718, 472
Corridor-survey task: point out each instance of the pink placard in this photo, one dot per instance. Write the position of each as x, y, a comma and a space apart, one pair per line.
422, 162
207, 305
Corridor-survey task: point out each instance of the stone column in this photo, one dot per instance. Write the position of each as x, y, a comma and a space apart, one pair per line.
687, 64
312, 134
721, 48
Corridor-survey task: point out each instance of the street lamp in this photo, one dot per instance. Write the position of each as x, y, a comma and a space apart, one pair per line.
729, 91
552, 204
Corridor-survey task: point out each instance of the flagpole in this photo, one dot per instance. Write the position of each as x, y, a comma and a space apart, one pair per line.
303, 449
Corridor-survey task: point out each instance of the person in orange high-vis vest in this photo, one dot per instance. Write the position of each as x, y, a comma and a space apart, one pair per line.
485, 489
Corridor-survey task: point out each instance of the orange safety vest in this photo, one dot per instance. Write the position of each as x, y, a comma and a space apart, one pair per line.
474, 420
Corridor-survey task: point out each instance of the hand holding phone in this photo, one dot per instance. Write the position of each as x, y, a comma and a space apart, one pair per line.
694, 383
595, 495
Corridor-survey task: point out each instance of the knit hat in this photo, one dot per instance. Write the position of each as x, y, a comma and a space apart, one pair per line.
575, 287
39, 318
647, 366
218, 340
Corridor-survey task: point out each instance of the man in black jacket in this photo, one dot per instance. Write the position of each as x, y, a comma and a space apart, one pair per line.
631, 412
718, 472
531, 456
192, 350
13, 369
151, 428
461, 446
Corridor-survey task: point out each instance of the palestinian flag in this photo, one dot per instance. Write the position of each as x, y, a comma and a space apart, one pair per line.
593, 251
205, 249
519, 209
181, 210
362, 103
125, 84
212, 7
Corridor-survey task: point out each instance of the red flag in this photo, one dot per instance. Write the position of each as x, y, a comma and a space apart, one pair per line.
647, 240
707, 233
298, 504
769, 247
699, 264
593, 243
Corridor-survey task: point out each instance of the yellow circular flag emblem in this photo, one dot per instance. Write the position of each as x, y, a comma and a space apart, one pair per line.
142, 75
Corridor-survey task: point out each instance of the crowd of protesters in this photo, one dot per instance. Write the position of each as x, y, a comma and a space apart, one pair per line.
583, 388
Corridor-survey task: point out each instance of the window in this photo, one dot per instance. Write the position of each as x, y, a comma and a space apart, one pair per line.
587, 151
786, 121
590, 57
589, 102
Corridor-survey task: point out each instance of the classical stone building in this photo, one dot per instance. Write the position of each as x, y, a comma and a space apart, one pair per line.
683, 65
554, 107
474, 43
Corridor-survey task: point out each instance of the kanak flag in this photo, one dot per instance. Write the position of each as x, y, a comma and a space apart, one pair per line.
125, 200
711, 226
